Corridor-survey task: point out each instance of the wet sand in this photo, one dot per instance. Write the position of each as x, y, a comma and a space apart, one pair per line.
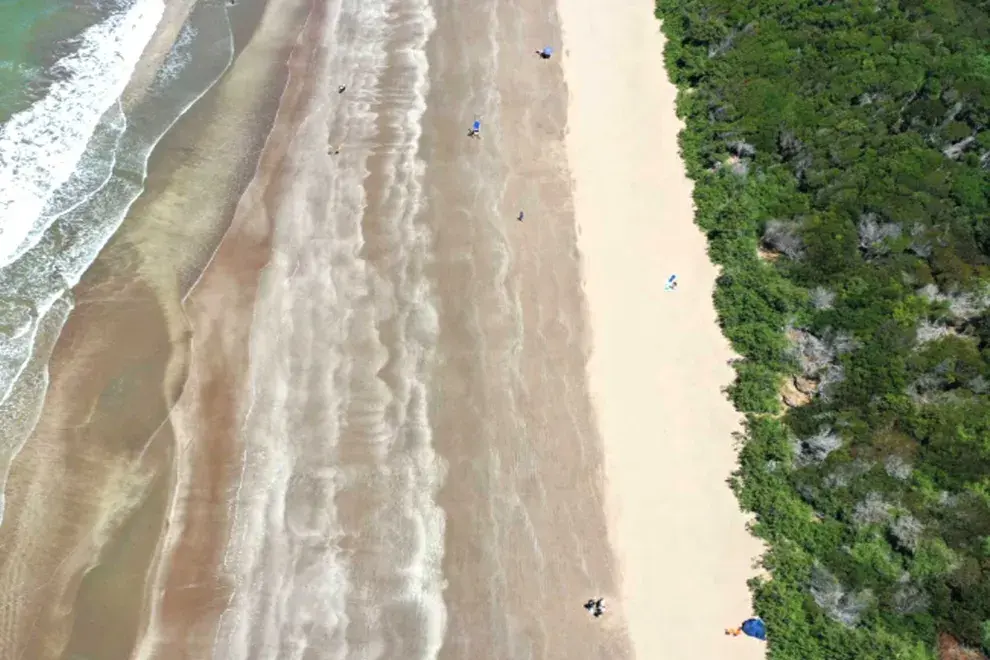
190, 590
87, 495
526, 534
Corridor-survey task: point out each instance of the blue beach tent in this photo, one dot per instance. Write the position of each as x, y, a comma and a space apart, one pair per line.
755, 628
476, 126
546, 52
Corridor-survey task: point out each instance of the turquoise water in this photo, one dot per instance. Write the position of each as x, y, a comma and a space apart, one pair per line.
32, 34
72, 160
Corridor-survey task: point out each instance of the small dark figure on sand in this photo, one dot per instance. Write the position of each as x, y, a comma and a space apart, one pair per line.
342, 89
333, 151
545, 52
595, 607
521, 216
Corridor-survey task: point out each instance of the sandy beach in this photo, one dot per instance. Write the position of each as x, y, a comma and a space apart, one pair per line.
322, 395
659, 359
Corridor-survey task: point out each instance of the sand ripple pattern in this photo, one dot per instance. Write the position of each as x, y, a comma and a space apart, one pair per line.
337, 541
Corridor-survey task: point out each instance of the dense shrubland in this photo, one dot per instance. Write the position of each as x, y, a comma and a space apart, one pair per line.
841, 158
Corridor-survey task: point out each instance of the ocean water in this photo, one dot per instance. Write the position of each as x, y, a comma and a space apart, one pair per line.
31, 34
72, 160
408, 464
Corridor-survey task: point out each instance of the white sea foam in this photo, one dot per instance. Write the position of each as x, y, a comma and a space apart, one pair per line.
41, 146
258, 621
179, 57
337, 542
83, 213
20, 411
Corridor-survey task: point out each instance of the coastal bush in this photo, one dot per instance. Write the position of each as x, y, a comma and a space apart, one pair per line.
756, 385
841, 159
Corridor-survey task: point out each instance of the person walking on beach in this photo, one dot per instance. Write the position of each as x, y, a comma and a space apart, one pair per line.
342, 89
521, 215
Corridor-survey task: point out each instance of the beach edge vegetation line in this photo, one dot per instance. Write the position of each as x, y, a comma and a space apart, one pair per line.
840, 153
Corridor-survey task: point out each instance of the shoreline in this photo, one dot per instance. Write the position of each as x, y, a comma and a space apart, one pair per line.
107, 473
658, 359
189, 593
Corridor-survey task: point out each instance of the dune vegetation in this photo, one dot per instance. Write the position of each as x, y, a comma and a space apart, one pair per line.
841, 159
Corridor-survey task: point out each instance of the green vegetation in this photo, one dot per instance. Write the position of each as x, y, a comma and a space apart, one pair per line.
841, 159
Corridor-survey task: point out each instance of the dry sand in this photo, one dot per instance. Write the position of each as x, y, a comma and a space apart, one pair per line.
658, 359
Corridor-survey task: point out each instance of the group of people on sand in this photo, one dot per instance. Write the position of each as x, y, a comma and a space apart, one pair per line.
596, 606
753, 627
475, 131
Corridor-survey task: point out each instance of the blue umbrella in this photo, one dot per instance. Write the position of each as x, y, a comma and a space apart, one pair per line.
755, 628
